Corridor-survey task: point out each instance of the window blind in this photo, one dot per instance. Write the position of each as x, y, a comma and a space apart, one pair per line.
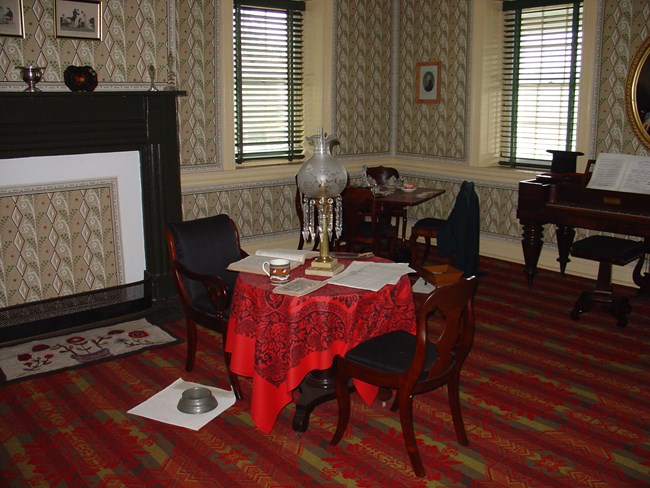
268, 53
541, 79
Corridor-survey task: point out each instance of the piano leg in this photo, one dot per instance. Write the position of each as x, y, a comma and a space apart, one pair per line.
531, 244
565, 237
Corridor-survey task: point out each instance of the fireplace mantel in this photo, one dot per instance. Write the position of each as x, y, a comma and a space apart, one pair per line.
58, 123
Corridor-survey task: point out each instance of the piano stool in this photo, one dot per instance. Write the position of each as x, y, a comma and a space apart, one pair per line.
608, 251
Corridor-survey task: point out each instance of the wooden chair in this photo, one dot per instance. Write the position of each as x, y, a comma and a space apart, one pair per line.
200, 252
381, 174
363, 227
457, 236
607, 250
414, 364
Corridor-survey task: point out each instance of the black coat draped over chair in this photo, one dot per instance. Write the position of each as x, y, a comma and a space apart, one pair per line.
457, 236
200, 252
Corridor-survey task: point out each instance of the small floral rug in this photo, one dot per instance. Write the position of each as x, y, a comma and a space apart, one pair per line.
79, 349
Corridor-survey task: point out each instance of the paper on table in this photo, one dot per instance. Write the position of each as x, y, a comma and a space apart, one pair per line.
290, 254
253, 263
163, 406
370, 276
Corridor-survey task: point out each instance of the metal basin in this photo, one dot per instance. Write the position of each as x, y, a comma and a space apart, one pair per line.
197, 400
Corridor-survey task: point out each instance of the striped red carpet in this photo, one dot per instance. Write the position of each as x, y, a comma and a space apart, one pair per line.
547, 402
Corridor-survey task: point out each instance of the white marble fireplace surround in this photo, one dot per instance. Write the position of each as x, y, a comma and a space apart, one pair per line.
118, 170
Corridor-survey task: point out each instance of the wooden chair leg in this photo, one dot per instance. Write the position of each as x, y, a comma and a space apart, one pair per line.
233, 378
453, 390
413, 248
343, 400
191, 344
408, 432
427, 248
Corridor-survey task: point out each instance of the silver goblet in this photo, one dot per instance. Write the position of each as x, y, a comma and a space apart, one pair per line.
31, 75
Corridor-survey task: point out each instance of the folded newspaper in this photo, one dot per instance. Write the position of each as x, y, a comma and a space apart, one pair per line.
253, 263
371, 276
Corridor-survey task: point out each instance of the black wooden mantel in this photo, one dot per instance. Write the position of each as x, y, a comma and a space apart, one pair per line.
59, 123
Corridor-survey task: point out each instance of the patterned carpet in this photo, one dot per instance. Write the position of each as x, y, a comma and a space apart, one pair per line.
547, 402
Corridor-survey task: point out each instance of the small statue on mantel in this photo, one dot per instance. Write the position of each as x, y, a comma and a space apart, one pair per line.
171, 73
152, 77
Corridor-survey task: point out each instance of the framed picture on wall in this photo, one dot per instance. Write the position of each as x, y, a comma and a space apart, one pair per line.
427, 82
11, 18
78, 19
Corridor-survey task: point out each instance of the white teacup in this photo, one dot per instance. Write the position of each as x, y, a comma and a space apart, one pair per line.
277, 270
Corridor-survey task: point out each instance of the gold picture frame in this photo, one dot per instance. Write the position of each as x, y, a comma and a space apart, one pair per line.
427, 82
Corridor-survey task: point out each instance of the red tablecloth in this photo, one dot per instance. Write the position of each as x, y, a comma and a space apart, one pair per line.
278, 339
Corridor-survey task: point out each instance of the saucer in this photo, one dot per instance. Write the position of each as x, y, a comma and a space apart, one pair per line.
409, 190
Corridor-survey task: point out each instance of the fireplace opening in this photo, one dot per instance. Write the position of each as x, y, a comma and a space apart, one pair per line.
132, 270
73, 241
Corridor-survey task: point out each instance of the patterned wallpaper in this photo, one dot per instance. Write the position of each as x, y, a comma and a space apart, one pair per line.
363, 76
626, 24
135, 35
434, 31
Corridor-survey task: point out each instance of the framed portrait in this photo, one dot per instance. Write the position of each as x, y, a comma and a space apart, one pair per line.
427, 82
12, 22
78, 19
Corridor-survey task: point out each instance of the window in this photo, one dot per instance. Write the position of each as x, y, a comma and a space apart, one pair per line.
542, 58
268, 80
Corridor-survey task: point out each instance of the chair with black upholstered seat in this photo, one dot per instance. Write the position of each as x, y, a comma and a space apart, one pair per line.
607, 250
363, 227
457, 236
200, 252
415, 364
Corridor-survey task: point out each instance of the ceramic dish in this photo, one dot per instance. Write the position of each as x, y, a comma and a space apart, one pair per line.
409, 190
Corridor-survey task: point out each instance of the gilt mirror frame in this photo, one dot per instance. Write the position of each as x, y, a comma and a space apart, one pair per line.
637, 93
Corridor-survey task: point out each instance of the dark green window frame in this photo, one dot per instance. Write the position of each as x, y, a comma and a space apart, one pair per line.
541, 80
268, 69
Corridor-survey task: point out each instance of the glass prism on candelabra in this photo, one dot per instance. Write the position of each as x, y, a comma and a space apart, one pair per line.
321, 180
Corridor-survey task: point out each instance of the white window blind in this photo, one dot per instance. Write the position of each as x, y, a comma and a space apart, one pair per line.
542, 53
268, 79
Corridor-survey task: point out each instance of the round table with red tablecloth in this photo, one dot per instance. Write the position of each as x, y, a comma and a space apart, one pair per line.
277, 340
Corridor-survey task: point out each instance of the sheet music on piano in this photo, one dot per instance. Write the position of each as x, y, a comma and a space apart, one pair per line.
621, 172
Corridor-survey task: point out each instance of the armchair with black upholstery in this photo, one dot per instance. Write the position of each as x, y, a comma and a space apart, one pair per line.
200, 251
415, 364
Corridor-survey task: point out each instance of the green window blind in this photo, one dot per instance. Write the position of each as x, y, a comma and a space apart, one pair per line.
268, 53
541, 79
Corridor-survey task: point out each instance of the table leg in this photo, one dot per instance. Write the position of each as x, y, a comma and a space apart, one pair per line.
531, 244
318, 386
564, 235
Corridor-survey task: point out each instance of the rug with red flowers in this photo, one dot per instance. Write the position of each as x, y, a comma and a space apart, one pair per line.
80, 348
